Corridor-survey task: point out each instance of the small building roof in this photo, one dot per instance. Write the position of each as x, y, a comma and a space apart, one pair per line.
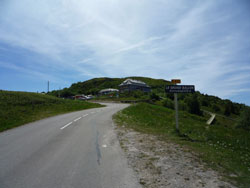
108, 90
133, 82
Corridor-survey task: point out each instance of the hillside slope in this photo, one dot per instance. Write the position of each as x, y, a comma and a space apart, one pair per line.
94, 85
223, 148
18, 108
207, 102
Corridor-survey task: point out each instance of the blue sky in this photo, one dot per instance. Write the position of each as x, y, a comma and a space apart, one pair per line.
205, 43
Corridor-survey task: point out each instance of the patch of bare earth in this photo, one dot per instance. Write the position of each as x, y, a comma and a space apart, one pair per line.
165, 164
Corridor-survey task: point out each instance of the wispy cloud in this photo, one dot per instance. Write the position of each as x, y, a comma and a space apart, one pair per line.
147, 42
29, 72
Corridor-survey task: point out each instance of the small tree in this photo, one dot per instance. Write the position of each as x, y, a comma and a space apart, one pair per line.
138, 94
229, 108
204, 102
182, 105
66, 93
245, 119
154, 96
193, 104
168, 103
216, 108
170, 96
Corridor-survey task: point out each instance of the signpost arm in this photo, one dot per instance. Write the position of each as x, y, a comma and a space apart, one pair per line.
176, 111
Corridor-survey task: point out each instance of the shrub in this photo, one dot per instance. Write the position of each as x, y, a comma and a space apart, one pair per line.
137, 94
182, 105
204, 102
193, 104
168, 103
245, 119
229, 108
216, 108
153, 96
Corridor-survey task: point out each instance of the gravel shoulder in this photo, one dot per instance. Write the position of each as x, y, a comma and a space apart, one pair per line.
161, 164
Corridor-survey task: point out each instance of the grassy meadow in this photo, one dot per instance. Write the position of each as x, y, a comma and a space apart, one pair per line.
18, 108
222, 146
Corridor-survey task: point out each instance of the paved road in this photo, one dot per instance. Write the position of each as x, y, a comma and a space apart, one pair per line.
75, 150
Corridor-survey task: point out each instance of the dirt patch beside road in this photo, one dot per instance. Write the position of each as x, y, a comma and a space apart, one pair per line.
161, 164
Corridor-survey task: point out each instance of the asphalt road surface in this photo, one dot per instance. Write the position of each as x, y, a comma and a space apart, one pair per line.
74, 150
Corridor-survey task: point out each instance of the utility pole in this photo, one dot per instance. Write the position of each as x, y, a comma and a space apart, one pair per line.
48, 86
59, 93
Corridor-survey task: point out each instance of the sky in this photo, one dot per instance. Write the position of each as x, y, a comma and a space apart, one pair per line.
203, 43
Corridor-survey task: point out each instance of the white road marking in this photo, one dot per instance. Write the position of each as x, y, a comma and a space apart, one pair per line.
104, 145
92, 112
77, 119
85, 115
66, 125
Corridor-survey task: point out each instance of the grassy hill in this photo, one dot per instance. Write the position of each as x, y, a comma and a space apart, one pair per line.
223, 147
18, 108
227, 112
206, 102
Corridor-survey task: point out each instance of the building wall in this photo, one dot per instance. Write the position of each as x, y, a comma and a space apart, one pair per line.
134, 88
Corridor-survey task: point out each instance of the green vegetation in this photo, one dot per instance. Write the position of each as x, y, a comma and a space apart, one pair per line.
244, 121
18, 108
192, 103
222, 146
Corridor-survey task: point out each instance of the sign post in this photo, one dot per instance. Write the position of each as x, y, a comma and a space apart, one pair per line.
178, 89
176, 111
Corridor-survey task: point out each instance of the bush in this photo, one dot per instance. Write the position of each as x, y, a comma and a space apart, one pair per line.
193, 104
245, 119
137, 94
229, 108
66, 93
216, 108
204, 102
168, 103
182, 105
153, 96
170, 96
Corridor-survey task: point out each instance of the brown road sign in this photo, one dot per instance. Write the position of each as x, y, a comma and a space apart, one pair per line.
175, 81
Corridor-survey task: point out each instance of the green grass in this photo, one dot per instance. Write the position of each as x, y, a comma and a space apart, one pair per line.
115, 99
18, 108
221, 146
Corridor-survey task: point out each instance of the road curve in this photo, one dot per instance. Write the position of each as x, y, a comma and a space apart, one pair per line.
74, 150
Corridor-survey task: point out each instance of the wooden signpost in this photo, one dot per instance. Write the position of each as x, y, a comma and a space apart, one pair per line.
178, 89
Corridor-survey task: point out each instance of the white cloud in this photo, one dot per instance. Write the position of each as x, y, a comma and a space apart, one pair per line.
30, 73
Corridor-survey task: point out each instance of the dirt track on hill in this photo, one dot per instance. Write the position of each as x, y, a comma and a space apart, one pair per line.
161, 164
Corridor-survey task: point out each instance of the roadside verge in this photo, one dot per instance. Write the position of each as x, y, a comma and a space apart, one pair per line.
19, 108
222, 151
161, 164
